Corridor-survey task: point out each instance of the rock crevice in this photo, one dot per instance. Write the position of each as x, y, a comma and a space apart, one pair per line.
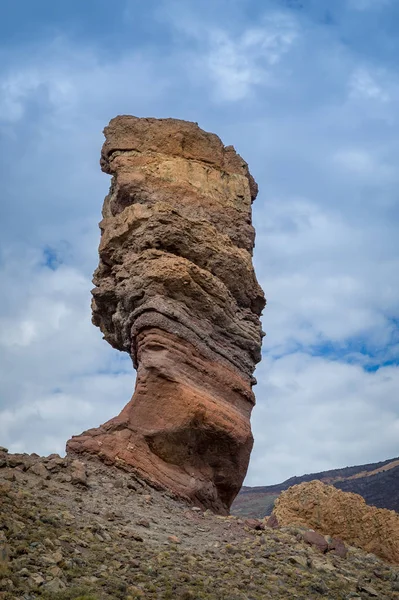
176, 289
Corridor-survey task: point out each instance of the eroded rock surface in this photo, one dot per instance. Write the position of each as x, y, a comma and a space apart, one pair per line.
176, 289
342, 514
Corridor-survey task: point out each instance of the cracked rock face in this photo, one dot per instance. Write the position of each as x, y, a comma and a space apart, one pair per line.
176, 289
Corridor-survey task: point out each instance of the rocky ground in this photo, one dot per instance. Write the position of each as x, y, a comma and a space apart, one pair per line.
84, 531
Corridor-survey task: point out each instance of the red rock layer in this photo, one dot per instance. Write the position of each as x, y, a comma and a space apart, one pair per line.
176, 289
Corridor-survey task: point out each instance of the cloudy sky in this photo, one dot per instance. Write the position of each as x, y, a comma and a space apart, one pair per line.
307, 91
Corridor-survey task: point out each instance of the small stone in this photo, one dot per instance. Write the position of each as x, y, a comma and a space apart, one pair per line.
90, 579
19, 460
322, 565
337, 546
174, 539
380, 574
7, 586
119, 483
55, 464
5, 488
319, 586
135, 592
260, 562
196, 509
67, 517
316, 540
36, 579
78, 473
147, 498
272, 522
299, 560
130, 533
135, 564
4, 553
53, 559
143, 523
364, 587
63, 477
55, 571
254, 524
54, 586
40, 470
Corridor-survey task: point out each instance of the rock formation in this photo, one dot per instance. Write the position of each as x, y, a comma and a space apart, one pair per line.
378, 483
342, 514
176, 289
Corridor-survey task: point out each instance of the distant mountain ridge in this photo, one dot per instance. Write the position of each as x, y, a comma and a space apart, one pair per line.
378, 483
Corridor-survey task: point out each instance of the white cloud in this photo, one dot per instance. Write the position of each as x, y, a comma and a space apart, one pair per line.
322, 277
44, 419
233, 72
368, 4
237, 63
57, 373
322, 413
366, 166
364, 84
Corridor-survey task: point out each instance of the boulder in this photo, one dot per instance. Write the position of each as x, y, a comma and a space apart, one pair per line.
316, 539
176, 289
40, 470
343, 515
337, 546
78, 473
272, 522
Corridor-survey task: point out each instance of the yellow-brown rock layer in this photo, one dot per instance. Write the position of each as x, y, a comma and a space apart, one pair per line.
176, 289
342, 514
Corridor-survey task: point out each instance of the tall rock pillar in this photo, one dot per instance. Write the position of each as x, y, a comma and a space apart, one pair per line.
176, 289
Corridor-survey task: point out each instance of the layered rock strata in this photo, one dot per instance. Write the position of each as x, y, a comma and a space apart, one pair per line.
343, 514
176, 289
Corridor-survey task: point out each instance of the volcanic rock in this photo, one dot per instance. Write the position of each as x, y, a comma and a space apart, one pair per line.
176, 289
316, 539
342, 514
378, 483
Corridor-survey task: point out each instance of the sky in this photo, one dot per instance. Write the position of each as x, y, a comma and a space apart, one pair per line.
307, 91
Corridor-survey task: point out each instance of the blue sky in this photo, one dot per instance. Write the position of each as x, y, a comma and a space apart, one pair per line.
307, 91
